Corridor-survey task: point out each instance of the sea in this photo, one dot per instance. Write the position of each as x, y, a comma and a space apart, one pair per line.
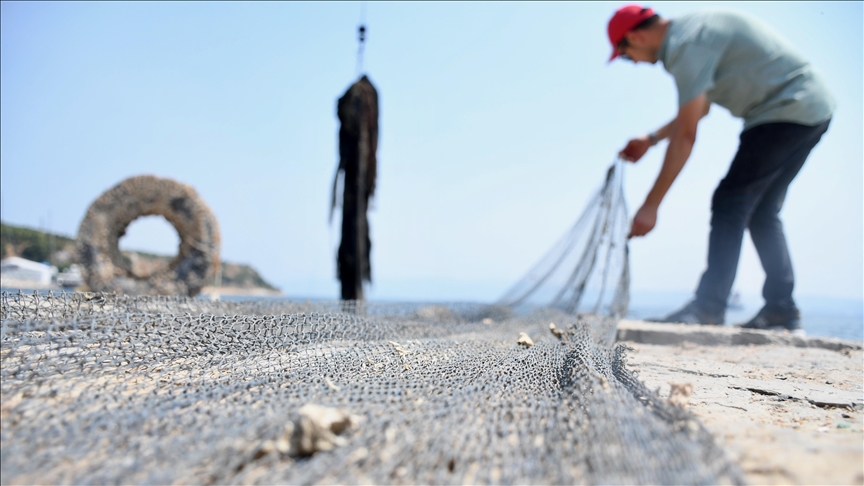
833, 317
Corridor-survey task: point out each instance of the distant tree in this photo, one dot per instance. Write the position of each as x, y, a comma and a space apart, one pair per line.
26, 243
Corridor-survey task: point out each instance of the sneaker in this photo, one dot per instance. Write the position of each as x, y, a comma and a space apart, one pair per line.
692, 313
773, 319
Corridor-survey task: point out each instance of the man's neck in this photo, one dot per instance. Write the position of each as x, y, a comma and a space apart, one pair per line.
658, 33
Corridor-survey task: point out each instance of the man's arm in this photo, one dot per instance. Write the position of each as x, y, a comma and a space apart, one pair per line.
638, 146
682, 135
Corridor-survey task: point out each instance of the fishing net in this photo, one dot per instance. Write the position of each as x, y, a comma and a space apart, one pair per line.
98, 388
588, 268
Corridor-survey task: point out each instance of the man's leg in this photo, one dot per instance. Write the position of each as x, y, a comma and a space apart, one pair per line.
766, 231
751, 172
768, 157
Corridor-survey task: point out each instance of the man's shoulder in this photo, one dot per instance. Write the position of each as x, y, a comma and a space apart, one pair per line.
703, 31
683, 34
711, 17
707, 25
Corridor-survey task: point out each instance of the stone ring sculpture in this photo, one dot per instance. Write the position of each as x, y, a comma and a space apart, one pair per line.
105, 269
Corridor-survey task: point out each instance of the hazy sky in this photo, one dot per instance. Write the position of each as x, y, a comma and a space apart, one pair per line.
498, 121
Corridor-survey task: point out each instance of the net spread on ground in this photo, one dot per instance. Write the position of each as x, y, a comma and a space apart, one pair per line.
98, 388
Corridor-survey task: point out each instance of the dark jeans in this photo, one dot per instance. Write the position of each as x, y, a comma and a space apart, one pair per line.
751, 196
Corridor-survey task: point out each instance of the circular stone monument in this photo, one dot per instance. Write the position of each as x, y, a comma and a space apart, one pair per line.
106, 269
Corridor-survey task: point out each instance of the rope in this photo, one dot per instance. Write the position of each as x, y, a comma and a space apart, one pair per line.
361, 36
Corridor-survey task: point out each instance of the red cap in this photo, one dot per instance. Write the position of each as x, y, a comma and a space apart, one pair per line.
623, 21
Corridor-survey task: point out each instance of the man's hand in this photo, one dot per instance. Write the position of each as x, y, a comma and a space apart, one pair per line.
682, 135
635, 148
643, 221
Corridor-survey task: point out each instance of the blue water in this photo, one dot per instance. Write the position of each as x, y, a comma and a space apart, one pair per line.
820, 316
847, 327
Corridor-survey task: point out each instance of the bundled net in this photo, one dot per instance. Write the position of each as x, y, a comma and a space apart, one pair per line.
588, 268
162, 390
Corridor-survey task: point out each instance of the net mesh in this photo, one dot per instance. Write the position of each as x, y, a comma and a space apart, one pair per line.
115, 389
588, 268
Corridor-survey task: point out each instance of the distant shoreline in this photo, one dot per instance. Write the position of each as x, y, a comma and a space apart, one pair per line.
33, 245
240, 292
9, 285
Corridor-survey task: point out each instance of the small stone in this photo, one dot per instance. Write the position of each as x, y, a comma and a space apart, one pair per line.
268, 446
679, 394
524, 340
843, 425
282, 445
319, 429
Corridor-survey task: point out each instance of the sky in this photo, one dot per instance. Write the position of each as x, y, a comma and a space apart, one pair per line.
497, 123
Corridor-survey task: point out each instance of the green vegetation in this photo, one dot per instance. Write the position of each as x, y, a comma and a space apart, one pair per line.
242, 276
59, 250
32, 244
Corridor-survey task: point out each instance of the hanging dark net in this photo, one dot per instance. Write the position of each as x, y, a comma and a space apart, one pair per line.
357, 110
588, 268
112, 389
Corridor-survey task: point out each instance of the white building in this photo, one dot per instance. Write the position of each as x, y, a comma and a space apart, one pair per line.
20, 272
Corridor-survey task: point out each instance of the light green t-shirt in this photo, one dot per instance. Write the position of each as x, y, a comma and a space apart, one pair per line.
745, 67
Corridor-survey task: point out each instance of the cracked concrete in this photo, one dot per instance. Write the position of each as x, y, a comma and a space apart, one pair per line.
789, 411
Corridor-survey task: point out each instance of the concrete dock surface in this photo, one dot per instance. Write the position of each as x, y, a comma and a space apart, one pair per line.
788, 409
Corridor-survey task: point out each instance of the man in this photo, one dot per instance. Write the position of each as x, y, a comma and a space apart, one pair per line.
740, 64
